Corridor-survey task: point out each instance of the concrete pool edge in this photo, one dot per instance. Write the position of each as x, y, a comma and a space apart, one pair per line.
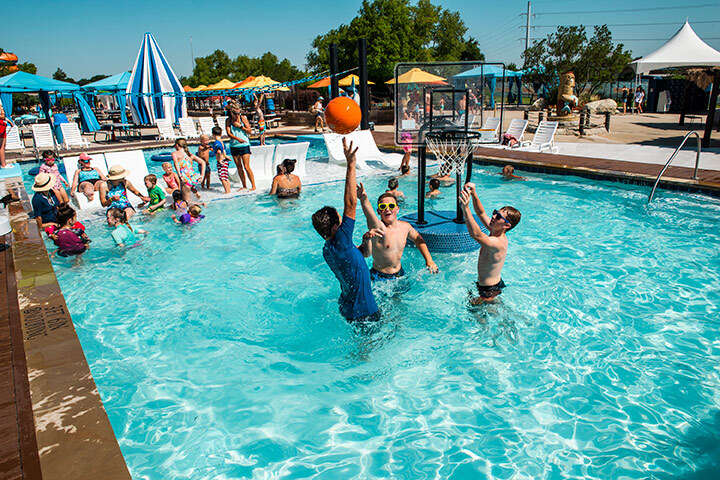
73, 435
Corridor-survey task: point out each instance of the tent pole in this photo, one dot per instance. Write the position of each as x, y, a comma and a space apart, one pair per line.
711, 111
683, 108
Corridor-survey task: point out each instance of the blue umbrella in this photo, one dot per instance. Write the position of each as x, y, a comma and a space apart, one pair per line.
154, 90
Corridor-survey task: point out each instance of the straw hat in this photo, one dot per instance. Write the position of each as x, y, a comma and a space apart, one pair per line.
117, 172
43, 182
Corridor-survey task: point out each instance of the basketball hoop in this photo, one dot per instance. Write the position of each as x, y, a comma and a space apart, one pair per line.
451, 148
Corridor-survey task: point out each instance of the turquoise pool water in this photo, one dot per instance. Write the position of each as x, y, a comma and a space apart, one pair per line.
219, 352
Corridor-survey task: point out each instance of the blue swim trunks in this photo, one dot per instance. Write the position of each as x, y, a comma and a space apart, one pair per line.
376, 275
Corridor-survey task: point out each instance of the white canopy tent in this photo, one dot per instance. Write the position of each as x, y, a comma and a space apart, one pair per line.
685, 49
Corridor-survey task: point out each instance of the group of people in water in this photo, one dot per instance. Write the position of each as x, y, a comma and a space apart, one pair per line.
386, 238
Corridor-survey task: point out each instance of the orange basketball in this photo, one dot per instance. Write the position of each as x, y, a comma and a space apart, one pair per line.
342, 115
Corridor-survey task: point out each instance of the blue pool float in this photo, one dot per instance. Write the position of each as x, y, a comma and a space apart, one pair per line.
35, 170
167, 156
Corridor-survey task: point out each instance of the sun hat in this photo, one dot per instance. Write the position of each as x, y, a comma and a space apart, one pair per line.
43, 182
117, 172
84, 157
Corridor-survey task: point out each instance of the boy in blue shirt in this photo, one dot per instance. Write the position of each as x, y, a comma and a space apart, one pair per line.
356, 301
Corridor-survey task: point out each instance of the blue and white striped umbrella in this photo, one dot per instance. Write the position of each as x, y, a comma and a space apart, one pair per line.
152, 74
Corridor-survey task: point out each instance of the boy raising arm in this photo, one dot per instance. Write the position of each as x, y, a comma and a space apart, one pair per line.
356, 301
493, 248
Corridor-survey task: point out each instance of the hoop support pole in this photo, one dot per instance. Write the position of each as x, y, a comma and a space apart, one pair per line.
422, 149
458, 180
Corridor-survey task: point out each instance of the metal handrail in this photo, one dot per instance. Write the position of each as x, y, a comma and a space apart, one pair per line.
697, 161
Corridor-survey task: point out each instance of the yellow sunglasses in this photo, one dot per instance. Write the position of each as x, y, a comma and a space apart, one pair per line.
383, 206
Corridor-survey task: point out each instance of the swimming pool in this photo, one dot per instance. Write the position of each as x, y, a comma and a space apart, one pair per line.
219, 352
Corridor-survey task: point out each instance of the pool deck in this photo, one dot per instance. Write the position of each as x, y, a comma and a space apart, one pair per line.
52, 420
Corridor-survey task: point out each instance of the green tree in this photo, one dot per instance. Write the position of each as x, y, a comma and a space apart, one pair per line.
218, 65
397, 31
594, 61
62, 76
94, 78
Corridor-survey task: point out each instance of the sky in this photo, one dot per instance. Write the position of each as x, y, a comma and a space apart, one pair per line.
85, 38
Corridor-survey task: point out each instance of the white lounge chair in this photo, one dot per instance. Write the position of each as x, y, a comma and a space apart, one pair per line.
297, 151
13, 140
165, 129
72, 136
187, 128
221, 123
460, 122
134, 162
517, 129
71, 165
368, 154
43, 138
206, 125
490, 131
544, 138
261, 163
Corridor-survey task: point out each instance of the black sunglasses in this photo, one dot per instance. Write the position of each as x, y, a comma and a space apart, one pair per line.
499, 216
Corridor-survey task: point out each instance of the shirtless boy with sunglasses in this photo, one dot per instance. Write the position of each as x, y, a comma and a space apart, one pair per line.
387, 237
493, 248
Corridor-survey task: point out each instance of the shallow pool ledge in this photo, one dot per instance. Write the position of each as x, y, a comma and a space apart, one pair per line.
74, 437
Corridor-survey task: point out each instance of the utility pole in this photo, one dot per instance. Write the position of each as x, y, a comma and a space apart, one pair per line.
192, 57
527, 28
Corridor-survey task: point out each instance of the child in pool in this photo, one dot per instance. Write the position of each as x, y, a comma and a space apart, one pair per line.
157, 197
434, 189
50, 166
70, 236
405, 170
508, 173
493, 249
179, 205
392, 189
222, 159
192, 216
183, 163
171, 178
204, 153
123, 234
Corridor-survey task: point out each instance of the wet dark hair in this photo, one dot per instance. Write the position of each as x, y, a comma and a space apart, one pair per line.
177, 195
289, 164
387, 195
324, 220
64, 214
513, 216
404, 169
393, 183
118, 215
278, 170
48, 154
216, 131
434, 183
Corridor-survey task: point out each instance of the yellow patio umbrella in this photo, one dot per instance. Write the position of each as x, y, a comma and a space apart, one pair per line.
199, 88
343, 82
417, 75
223, 84
263, 81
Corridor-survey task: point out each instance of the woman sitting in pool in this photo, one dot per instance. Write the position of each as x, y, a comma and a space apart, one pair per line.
87, 179
287, 185
183, 162
113, 193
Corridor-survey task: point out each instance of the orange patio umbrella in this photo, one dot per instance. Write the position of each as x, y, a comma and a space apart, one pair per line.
244, 82
343, 82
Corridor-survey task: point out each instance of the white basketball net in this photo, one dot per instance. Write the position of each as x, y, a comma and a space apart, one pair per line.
450, 151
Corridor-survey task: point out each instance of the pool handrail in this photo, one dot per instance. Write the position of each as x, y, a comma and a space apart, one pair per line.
672, 157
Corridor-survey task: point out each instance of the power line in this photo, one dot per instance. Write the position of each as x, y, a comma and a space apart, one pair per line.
629, 9
627, 24
498, 28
